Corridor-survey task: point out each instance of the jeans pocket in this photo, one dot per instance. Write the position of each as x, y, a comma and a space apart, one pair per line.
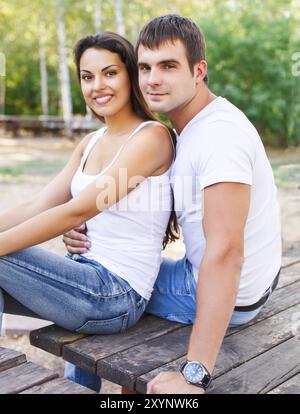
105, 326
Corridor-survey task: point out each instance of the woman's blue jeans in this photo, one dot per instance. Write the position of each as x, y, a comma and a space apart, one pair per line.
74, 292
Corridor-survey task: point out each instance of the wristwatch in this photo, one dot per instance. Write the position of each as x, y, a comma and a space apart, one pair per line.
196, 374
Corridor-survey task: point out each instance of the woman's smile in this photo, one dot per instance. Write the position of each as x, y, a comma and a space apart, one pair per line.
102, 100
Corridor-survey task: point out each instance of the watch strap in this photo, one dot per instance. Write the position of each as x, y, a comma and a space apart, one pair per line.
206, 380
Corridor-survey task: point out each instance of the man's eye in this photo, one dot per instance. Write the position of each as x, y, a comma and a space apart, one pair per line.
144, 68
169, 66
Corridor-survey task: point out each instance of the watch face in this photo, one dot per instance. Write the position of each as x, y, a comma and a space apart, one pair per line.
193, 372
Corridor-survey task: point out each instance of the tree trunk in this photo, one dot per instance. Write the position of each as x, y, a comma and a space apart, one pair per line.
2, 83
64, 75
119, 17
43, 72
98, 16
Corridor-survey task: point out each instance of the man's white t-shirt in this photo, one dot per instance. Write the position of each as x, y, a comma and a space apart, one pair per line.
221, 145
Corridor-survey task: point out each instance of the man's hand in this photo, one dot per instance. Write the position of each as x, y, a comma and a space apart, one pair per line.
76, 241
171, 383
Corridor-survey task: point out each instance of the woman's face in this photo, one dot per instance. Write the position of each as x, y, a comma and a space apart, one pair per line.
105, 83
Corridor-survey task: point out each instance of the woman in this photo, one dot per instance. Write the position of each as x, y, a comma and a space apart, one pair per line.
105, 184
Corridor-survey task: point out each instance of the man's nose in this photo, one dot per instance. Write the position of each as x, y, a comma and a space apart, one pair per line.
154, 77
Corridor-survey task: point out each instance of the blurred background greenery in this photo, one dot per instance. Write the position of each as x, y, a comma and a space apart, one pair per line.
250, 49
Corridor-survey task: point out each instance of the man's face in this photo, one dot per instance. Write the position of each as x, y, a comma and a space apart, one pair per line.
165, 77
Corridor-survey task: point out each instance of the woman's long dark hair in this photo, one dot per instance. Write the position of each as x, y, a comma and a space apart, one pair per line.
115, 43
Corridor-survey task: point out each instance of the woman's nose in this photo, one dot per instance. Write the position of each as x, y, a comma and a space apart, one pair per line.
99, 83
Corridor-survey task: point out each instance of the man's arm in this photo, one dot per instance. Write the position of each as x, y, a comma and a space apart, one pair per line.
226, 208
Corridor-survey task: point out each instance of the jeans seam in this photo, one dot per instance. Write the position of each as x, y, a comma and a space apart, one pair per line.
40, 272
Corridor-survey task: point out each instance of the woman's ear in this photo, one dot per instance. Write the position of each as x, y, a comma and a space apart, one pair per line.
200, 70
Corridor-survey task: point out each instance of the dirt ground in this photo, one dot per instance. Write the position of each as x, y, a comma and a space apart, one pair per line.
27, 164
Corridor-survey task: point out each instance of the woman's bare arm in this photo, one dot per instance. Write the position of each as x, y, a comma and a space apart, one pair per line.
55, 193
148, 151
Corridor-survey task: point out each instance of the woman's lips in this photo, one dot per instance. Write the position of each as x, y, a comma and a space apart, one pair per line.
103, 100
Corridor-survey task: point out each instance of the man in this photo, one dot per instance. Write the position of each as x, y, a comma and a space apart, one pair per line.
225, 201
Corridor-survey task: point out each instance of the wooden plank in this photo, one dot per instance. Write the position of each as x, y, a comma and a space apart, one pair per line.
124, 367
242, 346
256, 340
10, 358
17, 379
52, 338
292, 386
86, 352
289, 260
263, 373
142, 380
291, 255
280, 300
288, 275
59, 386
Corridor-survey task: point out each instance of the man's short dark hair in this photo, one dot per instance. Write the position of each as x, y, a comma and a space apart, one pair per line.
172, 27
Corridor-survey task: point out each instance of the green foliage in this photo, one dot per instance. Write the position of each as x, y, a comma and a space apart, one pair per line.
250, 44
249, 63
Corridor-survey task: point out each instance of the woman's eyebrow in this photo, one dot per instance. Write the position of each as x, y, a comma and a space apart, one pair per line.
109, 66
106, 67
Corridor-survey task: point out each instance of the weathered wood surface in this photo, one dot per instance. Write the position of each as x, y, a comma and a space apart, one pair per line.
240, 347
52, 338
292, 386
86, 352
17, 376
21, 377
10, 358
262, 373
124, 367
58, 386
256, 358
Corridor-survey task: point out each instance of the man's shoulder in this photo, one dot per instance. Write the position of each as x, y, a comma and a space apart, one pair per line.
218, 114
219, 125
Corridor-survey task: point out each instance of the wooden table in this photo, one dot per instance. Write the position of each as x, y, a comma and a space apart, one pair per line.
260, 357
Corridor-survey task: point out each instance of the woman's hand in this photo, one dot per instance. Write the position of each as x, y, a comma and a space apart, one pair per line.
76, 240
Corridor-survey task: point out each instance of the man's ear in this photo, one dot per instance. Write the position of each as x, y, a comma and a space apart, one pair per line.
200, 70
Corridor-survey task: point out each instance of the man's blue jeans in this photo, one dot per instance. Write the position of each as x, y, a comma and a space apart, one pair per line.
74, 292
174, 299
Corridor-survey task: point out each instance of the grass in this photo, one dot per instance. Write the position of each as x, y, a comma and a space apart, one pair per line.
287, 174
29, 170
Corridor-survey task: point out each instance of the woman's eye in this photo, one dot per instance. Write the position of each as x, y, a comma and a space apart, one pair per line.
86, 77
110, 74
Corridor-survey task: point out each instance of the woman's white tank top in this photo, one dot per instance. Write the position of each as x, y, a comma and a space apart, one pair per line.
127, 237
